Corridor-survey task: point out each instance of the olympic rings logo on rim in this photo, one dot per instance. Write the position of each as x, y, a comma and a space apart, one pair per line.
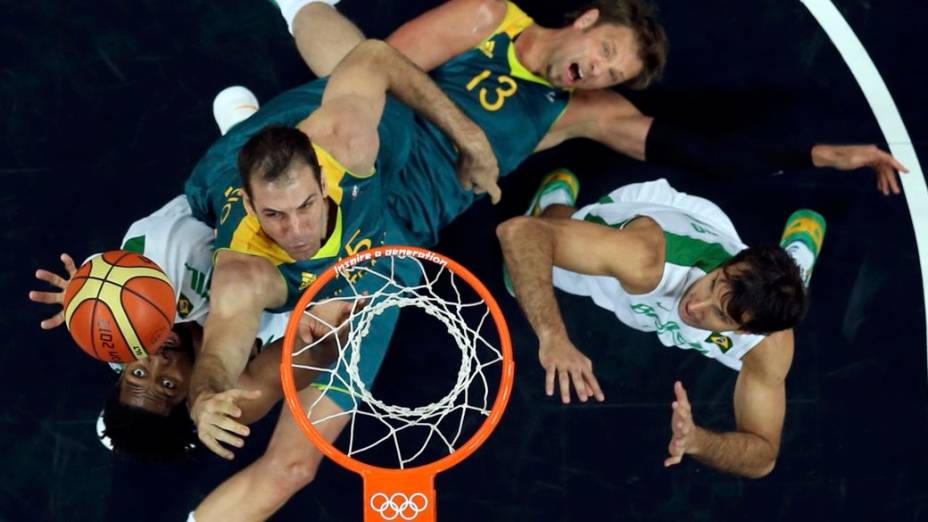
399, 505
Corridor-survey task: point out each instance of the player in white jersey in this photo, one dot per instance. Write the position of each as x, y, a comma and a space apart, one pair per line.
145, 415
670, 263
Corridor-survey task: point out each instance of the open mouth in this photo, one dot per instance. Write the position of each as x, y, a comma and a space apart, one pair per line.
574, 73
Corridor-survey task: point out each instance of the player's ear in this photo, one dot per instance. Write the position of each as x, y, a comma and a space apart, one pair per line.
587, 19
249, 208
323, 187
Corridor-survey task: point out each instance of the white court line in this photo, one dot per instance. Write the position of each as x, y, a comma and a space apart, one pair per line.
887, 116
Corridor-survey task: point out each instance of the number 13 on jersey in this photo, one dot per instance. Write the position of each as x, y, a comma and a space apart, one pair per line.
506, 88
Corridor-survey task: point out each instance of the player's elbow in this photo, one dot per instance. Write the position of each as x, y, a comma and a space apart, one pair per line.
763, 470
764, 465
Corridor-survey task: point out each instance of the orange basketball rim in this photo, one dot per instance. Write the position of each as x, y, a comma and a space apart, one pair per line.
391, 493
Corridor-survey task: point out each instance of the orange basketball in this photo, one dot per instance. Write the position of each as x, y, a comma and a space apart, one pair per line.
119, 306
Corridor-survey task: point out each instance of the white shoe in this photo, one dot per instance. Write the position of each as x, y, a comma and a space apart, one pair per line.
232, 106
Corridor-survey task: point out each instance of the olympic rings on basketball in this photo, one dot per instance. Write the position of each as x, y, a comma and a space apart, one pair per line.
399, 505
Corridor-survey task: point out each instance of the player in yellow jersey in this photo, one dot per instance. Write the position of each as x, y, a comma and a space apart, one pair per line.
606, 43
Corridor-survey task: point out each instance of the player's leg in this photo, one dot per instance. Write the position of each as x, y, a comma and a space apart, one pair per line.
802, 238
322, 35
289, 464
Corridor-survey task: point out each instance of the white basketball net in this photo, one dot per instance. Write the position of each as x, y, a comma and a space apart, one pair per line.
439, 422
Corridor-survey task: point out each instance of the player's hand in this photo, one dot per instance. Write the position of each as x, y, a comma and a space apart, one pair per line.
851, 157
215, 416
328, 319
563, 362
685, 431
477, 167
54, 298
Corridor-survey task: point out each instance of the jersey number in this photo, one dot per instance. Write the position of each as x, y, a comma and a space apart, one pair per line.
232, 195
352, 249
507, 88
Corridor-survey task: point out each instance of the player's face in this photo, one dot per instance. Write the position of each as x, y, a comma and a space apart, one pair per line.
160, 381
589, 56
293, 212
704, 304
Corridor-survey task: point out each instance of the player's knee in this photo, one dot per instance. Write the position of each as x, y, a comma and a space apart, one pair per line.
508, 229
290, 475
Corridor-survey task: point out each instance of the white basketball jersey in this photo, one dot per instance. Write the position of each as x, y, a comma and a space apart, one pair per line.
698, 236
182, 246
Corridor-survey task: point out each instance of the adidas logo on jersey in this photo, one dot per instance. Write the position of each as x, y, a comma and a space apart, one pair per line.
306, 279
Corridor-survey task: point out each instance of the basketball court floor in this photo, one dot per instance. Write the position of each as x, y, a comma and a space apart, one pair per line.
105, 108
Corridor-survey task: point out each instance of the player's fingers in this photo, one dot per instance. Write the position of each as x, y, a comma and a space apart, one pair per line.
228, 437
45, 297
680, 392
579, 385
52, 322
222, 408
593, 385
881, 183
495, 193
549, 380
213, 445
51, 278
232, 426
893, 181
68, 264
670, 461
886, 159
235, 394
564, 381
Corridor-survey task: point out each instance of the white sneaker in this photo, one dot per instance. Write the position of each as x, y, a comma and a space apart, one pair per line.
232, 106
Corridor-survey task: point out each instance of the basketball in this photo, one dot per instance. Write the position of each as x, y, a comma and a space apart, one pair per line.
119, 306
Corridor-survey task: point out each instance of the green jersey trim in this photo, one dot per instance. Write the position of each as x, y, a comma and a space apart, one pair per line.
135, 244
689, 251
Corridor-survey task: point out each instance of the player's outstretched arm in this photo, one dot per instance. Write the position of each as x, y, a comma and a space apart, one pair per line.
448, 30
242, 287
532, 247
353, 102
53, 298
760, 405
609, 118
852, 157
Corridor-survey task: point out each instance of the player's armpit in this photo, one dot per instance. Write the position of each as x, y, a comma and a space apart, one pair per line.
448, 30
604, 116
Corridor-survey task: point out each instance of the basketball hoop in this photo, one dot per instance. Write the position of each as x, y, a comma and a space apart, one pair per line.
406, 491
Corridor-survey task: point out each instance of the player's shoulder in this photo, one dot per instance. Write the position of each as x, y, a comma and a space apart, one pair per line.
503, 16
772, 358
